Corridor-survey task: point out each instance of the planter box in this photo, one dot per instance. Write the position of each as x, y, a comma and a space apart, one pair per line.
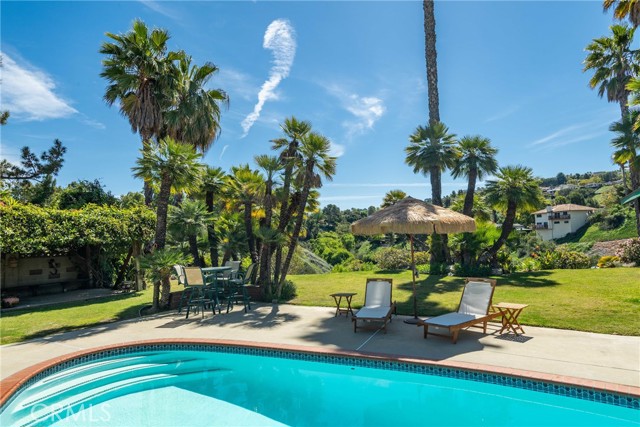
174, 300
255, 292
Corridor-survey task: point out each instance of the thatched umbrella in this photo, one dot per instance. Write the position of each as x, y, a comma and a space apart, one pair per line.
412, 216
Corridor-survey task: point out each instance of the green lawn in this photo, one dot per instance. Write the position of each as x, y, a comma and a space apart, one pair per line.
20, 325
605, 300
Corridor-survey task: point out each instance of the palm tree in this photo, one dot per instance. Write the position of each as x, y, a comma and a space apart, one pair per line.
514, 189
431, 151
614, 64
192, 219
295, 130
624, 9
627, 145
247, 185
431, 59
317, 163
477, 159
172, 165
634, 88
213, 181
392, 197
194, 115
138, 69
271, 165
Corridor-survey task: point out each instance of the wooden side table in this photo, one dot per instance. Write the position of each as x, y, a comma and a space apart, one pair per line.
337, 297
510, 313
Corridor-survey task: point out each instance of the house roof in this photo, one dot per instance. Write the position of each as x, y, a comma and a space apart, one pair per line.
566, 208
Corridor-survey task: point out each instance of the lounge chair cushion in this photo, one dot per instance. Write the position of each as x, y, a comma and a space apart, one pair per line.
373, 312
452, 319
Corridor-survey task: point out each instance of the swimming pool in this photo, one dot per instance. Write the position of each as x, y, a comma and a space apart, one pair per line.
190, 384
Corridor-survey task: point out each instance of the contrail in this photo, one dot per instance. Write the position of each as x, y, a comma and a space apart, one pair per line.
280, 38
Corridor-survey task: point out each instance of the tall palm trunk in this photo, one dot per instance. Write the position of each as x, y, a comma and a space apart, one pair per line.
212, 237
285, 215
265, 256
471, 189
634, 174
439, 243
193, 248
507, 228
466, 254
431, 59
298, 226
248, 225
161, 237
146, 186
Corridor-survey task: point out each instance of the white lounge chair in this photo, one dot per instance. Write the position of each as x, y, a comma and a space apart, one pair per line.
473, 309
378, 306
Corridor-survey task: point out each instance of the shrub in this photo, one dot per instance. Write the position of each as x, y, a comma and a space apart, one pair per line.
470, 270
353, 265
608, 261
630, 251
337, 257
392, 259
421, 257
528, 265
436, 268
563, 259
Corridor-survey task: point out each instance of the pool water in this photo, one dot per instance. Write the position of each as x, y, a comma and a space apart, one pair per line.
197, 388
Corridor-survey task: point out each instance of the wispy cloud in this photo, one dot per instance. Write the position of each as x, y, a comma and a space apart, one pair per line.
579, 132
223, 150
503, 114
159, 8
280, 38
336, 150
236, 83
366, 109
29, 93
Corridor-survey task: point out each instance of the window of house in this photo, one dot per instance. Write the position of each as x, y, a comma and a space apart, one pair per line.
556, 222
566, 222
539, 215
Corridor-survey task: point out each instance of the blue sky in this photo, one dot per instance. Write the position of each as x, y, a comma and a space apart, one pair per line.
510, 71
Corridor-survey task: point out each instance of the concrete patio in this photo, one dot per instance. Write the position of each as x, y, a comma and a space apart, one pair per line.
589, 356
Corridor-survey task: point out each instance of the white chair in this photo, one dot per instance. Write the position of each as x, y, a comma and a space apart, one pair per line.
473, 309
378, 306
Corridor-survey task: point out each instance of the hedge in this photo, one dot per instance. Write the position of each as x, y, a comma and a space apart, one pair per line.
33, 230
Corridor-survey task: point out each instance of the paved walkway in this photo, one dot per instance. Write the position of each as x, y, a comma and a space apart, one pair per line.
609, 358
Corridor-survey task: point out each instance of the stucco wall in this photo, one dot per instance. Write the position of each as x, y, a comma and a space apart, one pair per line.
37, 271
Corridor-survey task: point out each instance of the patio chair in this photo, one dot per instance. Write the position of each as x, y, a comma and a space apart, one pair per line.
200, 295
378, 306
473, 310
237, 289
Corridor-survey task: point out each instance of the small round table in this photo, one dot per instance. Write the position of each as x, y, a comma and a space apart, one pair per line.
337, 297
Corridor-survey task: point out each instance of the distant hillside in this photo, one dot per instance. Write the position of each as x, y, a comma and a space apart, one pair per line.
592, 233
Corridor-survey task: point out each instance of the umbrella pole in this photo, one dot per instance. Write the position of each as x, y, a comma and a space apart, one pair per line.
414, 319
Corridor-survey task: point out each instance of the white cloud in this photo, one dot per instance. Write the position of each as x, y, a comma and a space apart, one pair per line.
336, 150
29, 93
281, 40
584, 131
366, 109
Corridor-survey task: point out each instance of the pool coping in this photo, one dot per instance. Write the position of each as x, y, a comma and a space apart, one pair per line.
14, 383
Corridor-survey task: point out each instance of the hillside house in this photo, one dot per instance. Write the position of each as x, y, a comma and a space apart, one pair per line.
555, 222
